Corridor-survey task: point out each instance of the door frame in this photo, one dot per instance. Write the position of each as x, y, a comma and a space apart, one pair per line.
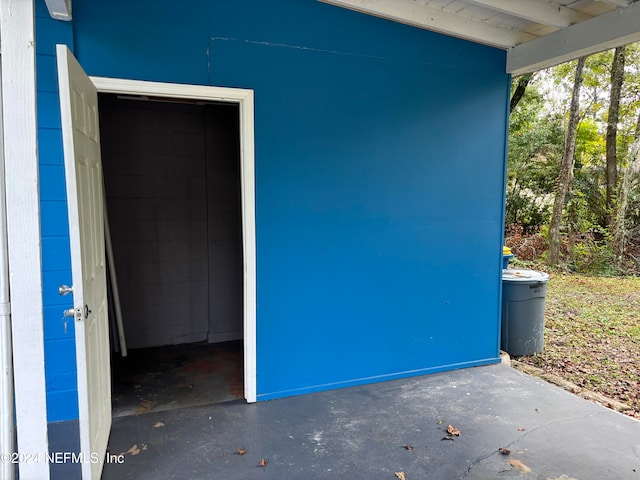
244, 99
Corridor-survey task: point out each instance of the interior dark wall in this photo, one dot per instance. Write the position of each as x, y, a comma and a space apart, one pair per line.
222, 137
172, 181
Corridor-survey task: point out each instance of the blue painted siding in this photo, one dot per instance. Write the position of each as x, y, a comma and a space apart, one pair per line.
59, 333
379, 177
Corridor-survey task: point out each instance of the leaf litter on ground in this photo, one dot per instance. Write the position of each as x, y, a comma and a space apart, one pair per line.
592, 335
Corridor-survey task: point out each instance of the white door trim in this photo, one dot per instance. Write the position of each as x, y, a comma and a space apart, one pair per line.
244, 98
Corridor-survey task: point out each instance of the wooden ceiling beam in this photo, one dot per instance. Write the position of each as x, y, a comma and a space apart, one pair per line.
430, 18
618, 3
539, 11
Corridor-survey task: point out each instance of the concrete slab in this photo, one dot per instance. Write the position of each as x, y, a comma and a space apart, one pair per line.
361, 433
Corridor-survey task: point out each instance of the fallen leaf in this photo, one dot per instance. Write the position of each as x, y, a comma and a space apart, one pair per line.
241, 451
521, 429
451, 430
145, 406
504, 451
408, 447
401, 476
518, 465
263, 463
144, 446
134, 450
158, 425
440, 422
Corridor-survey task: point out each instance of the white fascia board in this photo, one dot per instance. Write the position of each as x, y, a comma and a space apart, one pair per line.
613, 29
539, 11
430, 18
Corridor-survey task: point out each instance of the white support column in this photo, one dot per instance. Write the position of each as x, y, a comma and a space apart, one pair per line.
17, 30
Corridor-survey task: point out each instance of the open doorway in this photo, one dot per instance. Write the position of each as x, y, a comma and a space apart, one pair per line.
172, 173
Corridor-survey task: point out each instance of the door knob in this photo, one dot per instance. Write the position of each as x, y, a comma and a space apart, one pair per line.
65, 290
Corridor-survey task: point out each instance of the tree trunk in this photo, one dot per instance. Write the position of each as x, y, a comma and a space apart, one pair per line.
572, 220
518, 93
620, 228
617, 76
565, 175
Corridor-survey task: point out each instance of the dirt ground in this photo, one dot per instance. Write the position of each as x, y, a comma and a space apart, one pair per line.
592, 336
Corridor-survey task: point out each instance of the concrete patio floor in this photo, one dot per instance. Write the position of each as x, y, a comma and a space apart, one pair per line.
373, 431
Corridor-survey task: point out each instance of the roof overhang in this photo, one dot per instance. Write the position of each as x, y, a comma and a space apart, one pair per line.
536, 33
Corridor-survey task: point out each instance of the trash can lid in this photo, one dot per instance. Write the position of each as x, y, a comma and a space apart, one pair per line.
523, 276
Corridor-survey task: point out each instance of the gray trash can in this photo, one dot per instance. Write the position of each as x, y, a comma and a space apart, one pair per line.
523, 294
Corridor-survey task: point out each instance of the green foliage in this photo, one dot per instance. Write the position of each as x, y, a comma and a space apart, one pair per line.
587, 198
524, 209
535, 147
536, 143
595, 257
590, 144
633, 210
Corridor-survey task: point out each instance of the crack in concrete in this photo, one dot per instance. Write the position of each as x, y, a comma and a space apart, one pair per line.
517, 440
476, 462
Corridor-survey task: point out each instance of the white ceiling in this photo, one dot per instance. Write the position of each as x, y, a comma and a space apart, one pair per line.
536, 33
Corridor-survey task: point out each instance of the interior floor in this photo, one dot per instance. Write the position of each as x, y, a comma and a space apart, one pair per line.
176, 376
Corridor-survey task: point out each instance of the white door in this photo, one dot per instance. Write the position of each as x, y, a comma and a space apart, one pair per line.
79, 110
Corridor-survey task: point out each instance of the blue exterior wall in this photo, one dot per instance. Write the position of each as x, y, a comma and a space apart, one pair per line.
59, 332
380, 153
